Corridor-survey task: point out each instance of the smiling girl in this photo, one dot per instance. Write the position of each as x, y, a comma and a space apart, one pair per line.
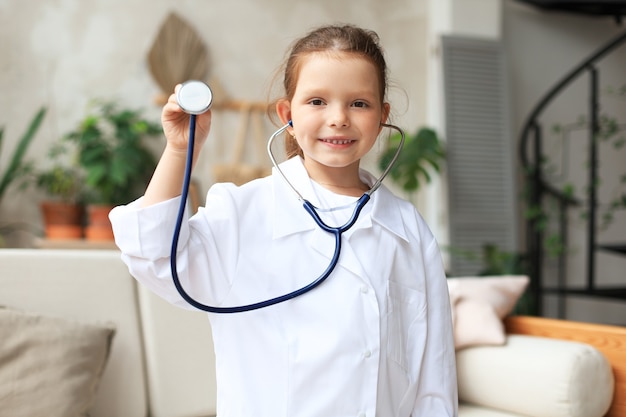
375, 339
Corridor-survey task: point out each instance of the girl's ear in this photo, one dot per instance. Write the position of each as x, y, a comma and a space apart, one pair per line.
283, 109
384, 116
386, 110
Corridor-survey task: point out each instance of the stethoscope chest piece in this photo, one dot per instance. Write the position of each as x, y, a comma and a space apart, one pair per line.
194, 97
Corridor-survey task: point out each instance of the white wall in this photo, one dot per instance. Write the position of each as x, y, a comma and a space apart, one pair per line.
64, 53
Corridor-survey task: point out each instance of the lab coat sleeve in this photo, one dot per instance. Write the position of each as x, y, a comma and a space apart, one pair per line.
144, 235
437, 385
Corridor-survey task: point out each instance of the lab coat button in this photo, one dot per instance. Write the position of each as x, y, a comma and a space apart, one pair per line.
364, 289
361, 415
367, 353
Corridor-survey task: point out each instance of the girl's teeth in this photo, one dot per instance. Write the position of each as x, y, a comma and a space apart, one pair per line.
338, 142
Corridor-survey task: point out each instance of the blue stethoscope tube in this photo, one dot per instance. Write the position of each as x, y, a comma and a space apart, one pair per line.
336, 231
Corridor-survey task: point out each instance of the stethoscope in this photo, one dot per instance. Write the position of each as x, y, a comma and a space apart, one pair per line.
195, 97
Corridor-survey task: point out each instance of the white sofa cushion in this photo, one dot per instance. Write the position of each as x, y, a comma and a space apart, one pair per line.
470, 410
180, 357
536, 376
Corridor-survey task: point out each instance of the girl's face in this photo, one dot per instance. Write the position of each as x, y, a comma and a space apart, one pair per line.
336, 111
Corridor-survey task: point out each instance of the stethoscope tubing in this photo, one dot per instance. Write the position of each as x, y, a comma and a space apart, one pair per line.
336, 231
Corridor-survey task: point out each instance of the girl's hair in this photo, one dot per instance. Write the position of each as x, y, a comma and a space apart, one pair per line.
332, 39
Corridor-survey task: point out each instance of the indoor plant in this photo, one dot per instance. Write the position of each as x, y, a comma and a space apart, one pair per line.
117, 163
17, 165
62, 209
422, 152
62, 183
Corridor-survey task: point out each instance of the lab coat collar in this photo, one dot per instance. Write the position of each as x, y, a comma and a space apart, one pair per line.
290, 217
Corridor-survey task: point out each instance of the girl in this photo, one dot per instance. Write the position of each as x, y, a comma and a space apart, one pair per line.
375, 339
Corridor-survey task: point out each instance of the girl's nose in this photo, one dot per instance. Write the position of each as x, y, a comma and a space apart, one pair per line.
339, 117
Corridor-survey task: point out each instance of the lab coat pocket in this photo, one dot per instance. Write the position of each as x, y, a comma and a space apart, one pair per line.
406, 306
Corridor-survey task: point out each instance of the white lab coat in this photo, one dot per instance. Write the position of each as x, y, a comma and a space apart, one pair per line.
375, 339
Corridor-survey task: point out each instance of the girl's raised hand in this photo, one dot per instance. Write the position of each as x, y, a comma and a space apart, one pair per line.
176, 125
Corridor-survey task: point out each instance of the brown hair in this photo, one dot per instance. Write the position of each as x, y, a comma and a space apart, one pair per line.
332, 39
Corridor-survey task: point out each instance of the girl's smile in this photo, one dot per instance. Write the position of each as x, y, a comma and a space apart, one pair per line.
337, 141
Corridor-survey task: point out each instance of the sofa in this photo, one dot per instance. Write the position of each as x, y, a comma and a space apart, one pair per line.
79, 337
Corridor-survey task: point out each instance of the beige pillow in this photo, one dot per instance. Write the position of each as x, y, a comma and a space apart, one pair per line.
50, 366
478, 306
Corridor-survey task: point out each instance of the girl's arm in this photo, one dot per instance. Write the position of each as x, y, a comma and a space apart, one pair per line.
167, 180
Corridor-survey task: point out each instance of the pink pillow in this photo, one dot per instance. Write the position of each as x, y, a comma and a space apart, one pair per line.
479, 304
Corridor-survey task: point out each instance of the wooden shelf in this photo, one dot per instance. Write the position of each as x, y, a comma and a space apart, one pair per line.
42, 243
241, 105
226, 105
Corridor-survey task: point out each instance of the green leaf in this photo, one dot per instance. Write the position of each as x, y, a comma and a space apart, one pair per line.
422, 153
111, 150
17, 157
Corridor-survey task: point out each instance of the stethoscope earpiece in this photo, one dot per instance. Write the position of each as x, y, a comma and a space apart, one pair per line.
194, 97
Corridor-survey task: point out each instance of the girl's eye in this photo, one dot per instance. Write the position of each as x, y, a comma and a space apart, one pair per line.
361, 104
316, 102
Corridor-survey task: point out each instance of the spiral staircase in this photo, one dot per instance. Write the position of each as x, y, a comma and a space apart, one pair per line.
541, 192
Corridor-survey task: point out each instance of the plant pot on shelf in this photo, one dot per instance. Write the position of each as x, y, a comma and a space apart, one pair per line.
98, 223
62, 220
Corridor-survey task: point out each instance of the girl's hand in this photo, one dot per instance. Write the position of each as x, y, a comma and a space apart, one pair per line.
168, 177
176, 125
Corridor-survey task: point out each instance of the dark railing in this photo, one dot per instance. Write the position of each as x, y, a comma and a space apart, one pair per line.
539, 189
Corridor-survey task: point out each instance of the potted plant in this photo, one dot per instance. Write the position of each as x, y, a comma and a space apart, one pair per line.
111, 149
422, 151
62, 183
62, 210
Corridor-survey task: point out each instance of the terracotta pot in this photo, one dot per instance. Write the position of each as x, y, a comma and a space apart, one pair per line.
98, 223
62, 220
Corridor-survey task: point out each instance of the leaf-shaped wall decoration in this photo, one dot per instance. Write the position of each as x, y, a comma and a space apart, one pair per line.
178, 54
